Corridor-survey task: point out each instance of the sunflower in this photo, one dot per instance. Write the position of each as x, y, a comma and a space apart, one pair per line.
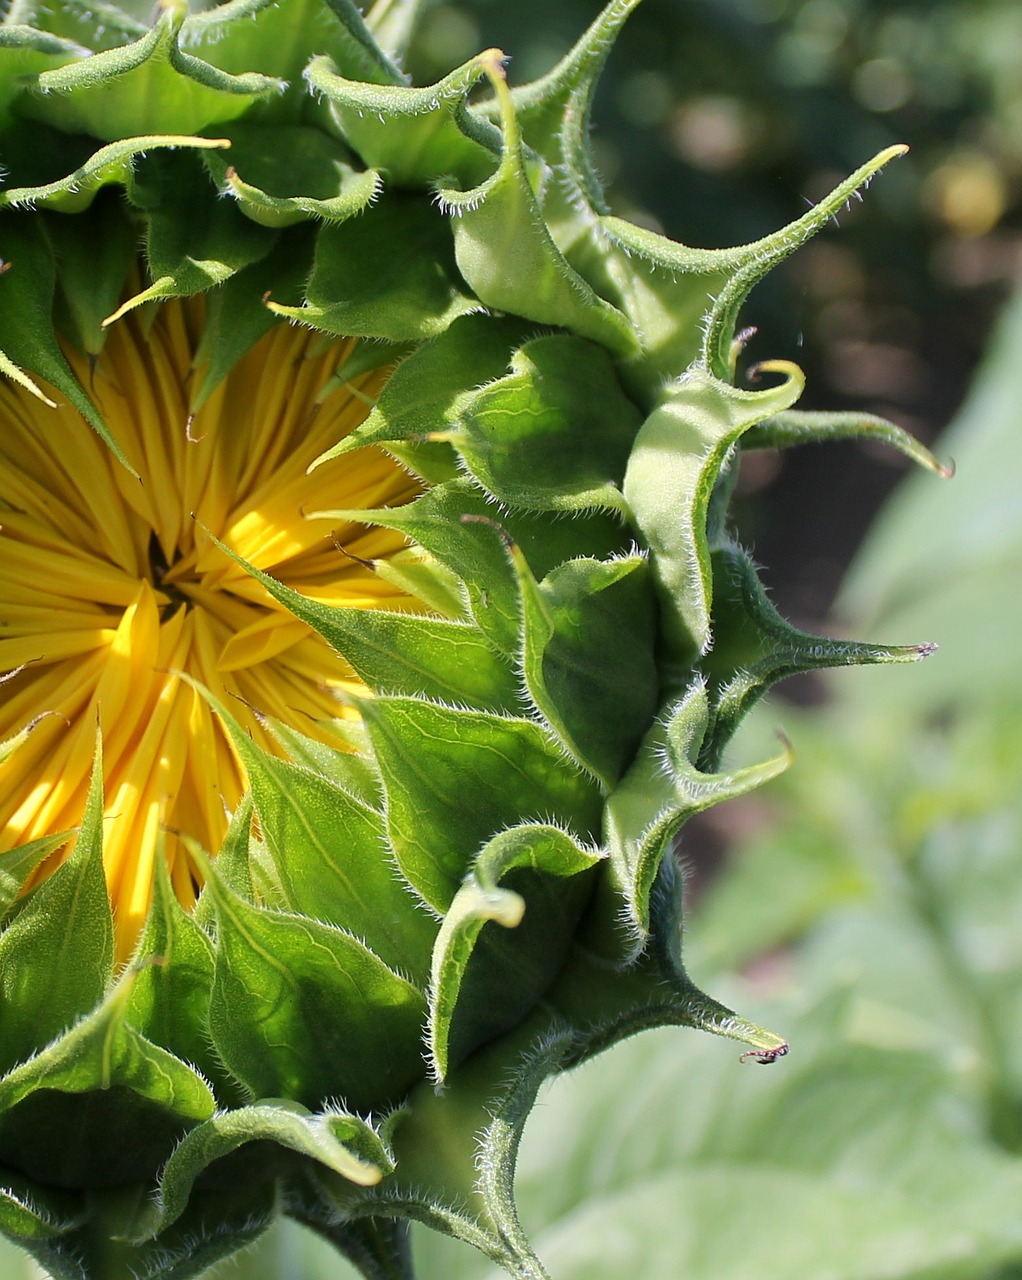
361, 672
114, 582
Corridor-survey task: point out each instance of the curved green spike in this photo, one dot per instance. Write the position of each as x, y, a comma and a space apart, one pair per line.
801, 427
553, 111
678, 456
113, 163
502, 213
756, 648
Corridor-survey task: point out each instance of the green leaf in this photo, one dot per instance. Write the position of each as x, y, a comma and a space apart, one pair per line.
800, 427
342, 1143
9, 745
368, 58
127, 1101
233, 865
414, 136
389, 273
666, 305
454, 779
407, 654
282, 174
554, 434
303, 1010
462, 1185
56, 957
192, 242
103, 1052
506, 252
666, 309
756, 260
149, 86
113, 164
588, 657
216, 1224
660, 792
26, 327
678, 456
326, 847
31, 1212
72, 22
19, 863
431, 388
279, 38
424, 579
729, 274
235, 315
489, 989
169, 1001
456, 523
347, 763
94, 257
25, 52
553, 111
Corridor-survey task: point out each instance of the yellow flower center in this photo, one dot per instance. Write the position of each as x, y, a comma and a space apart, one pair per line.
110, 585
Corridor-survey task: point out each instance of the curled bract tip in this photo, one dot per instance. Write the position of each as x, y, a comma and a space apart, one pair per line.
494, 63
786, 367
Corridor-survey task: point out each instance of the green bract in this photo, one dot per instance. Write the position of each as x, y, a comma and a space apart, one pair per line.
477, 891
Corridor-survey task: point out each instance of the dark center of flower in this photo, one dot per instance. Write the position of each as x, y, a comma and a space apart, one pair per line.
159, 569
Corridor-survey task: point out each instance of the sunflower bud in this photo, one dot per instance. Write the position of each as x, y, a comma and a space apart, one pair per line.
370, 624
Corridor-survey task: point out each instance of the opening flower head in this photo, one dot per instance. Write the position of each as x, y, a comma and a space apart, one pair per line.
113, 583
358, 942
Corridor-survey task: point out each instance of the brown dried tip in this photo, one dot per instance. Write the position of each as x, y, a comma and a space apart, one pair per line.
766, 1056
